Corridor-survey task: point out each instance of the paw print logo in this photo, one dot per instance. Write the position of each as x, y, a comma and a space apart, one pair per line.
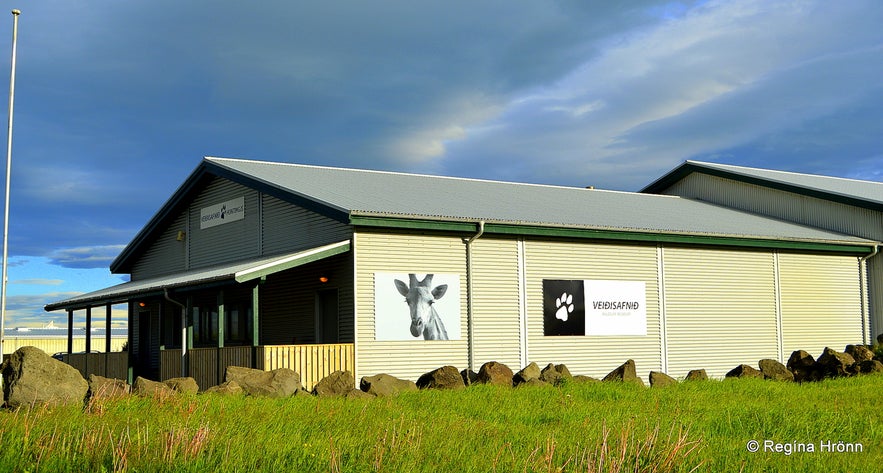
564, 305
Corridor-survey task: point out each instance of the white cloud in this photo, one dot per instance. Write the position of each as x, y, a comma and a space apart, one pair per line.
86, 256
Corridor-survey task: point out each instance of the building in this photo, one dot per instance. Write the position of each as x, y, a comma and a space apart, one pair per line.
847, 206
320, 268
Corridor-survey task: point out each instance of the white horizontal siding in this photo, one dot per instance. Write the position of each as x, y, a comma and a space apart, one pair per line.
592, 355
842, 218
496, 308
720, 309
404, 253
821, 302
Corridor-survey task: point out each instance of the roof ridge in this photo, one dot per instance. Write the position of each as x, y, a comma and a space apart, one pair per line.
822, 176
414, 174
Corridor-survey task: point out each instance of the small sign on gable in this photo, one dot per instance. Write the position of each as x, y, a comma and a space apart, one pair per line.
219, 214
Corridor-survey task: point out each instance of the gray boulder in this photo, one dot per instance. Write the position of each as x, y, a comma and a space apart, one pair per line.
581, 378
869, 367
495, 373
696, 375
30, 376
531, 371
625, 373
358, 394
446, 377
469, 377
227, 388
281, 382
185, 385
834, 364
107, 388
147, 387
859, 353
384, 385
338, 383
774, 370
555, 374
744, 371
659, 379
533, 382
803, 366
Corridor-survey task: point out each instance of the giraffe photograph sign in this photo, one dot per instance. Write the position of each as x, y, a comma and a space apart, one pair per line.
410, 306
594, 307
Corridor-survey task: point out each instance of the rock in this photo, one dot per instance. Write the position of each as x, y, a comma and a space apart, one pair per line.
446, 377
533, 382
581, 378
107, 388
869, 367
659, 379
337, 383
880, 339
30, 376
469, 377
859, 353
531, 371
281, 382
803, 366
358, 394
384, 385
744, 371
555, 374
834, 364
696, 375
495, 373
626, 373
227, 388
146, 387
774, 370
183, 385
301, 393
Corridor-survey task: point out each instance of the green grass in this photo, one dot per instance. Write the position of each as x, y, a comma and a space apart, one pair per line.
700, 426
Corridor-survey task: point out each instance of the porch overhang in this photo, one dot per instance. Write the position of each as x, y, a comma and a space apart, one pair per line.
239, 272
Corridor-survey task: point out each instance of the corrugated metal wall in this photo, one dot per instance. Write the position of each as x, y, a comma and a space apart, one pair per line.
166, 255
287, 227
592, 355
400, 252
228, 242
271, 226
720, 309
820, 213
288, 310
496, 305
821, 302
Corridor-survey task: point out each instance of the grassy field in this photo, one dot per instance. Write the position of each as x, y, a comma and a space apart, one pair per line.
701, 426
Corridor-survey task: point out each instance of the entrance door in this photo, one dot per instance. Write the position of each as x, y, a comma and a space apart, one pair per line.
327, 316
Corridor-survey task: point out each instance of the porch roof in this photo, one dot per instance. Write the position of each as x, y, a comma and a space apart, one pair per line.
239, 272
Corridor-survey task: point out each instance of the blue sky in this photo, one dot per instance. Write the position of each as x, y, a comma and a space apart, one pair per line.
116, 102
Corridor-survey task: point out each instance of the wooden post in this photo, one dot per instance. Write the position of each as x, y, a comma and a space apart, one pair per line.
255, 321
88, 329
70, 331
221, 320
107, 329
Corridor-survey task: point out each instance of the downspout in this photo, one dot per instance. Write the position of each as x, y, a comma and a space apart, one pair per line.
184, 370
866, 300
470, 325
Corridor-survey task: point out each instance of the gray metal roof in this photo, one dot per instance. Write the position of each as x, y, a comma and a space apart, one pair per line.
364, 192
851, 191
240, 272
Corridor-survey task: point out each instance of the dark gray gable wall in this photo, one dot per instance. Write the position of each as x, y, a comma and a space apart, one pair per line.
269, 226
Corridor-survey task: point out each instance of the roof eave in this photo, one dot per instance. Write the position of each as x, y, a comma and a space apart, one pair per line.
688, 167
369, 219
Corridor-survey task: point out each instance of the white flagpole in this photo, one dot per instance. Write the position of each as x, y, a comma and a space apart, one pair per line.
3, 282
